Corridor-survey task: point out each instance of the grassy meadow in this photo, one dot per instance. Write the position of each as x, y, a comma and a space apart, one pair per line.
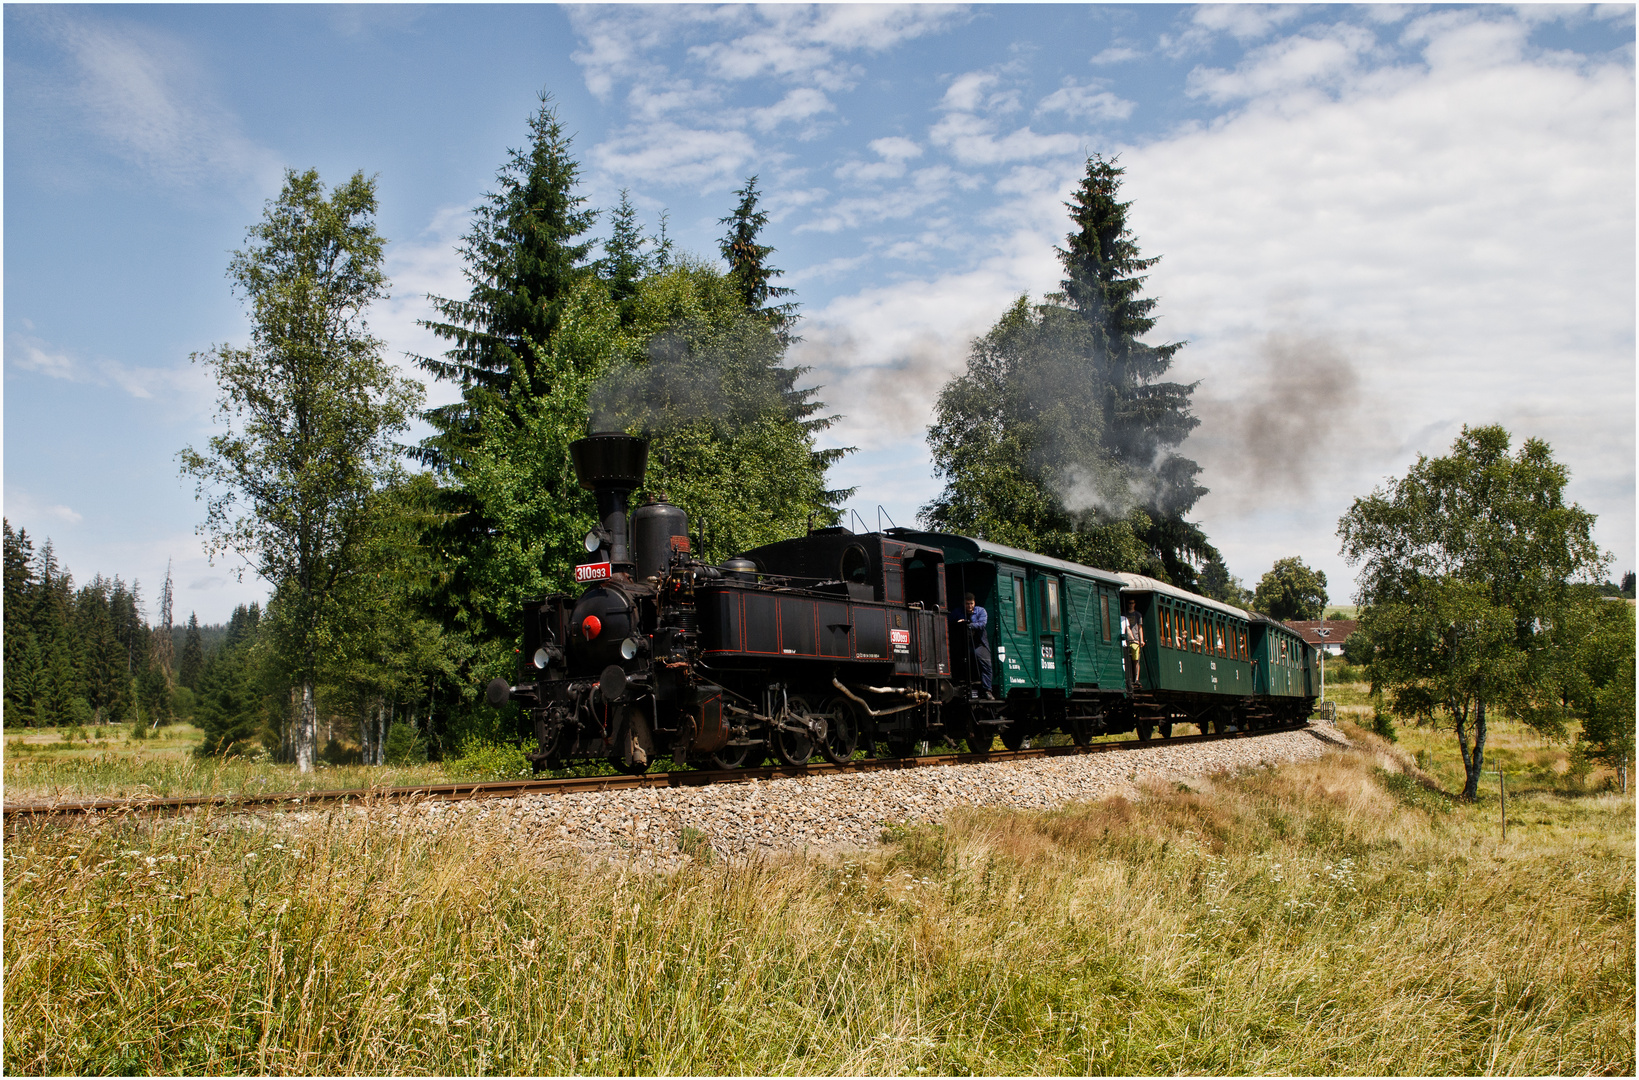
1342, 916
95, 762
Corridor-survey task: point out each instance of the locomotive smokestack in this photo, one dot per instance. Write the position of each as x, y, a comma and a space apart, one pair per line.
610, 464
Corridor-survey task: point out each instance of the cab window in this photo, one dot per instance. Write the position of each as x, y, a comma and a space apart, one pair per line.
1018, 605
1104, 612
856, 565
1051, 598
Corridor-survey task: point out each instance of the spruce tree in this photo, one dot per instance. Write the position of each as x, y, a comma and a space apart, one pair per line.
524, 256
526, 260
22, 650
629, 256
227, 707
748, 263
192, 660
1062, 434
1145, 418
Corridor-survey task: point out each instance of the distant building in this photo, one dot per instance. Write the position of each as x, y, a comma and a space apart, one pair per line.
1326, 634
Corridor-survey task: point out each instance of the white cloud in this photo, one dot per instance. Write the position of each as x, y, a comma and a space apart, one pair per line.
173, 386
672, 153
1329, 58
895, 148
894, 151
801, 44
969, 130
650, 102
1243, 22
803, 103
806, 46
973, 140
616, 37
1460, 227
969, 93
1116, 54
428, 264
142, 94
1364, 255
26, 511
1085, 103
926, 187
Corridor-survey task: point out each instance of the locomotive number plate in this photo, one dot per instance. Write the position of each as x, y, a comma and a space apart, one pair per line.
596, 571
900, 639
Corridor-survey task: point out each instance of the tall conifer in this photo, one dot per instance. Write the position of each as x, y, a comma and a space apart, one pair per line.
748, 262
523, 257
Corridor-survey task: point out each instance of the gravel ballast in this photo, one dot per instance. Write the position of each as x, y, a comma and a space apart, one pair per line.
842, 813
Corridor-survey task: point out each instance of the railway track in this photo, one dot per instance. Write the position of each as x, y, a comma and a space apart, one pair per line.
297, 800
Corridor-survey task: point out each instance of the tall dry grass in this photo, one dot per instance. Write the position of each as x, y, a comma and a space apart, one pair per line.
1335, 917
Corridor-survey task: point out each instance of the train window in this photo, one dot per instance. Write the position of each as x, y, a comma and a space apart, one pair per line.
1199, 637
1218, 637
922, 581
1054, 623
1018, 605
1161, 622
1104, 611
856, 565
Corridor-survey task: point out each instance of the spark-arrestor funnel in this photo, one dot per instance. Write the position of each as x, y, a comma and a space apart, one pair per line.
610, 465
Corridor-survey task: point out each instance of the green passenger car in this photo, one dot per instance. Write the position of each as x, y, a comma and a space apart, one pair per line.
1191, 644
1054, 626
1286, 663
1209, 663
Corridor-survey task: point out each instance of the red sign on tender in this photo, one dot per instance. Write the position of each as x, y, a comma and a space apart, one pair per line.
899, 637
595, 571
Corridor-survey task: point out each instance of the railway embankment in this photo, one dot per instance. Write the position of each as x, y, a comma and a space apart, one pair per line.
840, 813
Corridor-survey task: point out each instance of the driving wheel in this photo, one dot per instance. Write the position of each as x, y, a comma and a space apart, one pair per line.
841, 731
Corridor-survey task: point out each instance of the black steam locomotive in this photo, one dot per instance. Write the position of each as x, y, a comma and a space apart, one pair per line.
833, 641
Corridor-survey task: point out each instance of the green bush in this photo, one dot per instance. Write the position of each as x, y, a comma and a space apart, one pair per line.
1383, 725
484, 759
405, 746
1358, 648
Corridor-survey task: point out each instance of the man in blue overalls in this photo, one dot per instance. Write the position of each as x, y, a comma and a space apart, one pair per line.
978, 647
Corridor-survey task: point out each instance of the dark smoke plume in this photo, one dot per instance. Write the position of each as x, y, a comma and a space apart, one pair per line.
1284, 425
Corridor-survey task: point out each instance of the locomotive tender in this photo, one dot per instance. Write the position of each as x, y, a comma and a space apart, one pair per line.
837, 640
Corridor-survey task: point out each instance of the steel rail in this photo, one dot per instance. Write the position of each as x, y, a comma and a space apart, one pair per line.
502, 789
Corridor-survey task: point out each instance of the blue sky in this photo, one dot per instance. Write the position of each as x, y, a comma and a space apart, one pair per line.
1376, 224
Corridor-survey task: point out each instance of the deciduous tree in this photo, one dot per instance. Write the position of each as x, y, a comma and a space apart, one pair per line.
312, 409
1467, 564
1291, 590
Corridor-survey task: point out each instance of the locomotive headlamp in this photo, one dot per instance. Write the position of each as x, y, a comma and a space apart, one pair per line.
593, 541
628, 648
591, 626
541, 658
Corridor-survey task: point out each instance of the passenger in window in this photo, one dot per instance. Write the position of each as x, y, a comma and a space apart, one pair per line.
974, 623
1132, 637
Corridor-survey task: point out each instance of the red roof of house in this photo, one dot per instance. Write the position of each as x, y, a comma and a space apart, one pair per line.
1336, 630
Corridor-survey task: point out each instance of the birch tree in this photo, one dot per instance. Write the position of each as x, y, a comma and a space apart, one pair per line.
311, 409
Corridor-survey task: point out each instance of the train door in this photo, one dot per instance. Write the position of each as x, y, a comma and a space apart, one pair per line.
1081, 633
1050, 632
1014, 665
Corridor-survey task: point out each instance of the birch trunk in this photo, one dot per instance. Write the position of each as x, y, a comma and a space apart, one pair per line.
307, 730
